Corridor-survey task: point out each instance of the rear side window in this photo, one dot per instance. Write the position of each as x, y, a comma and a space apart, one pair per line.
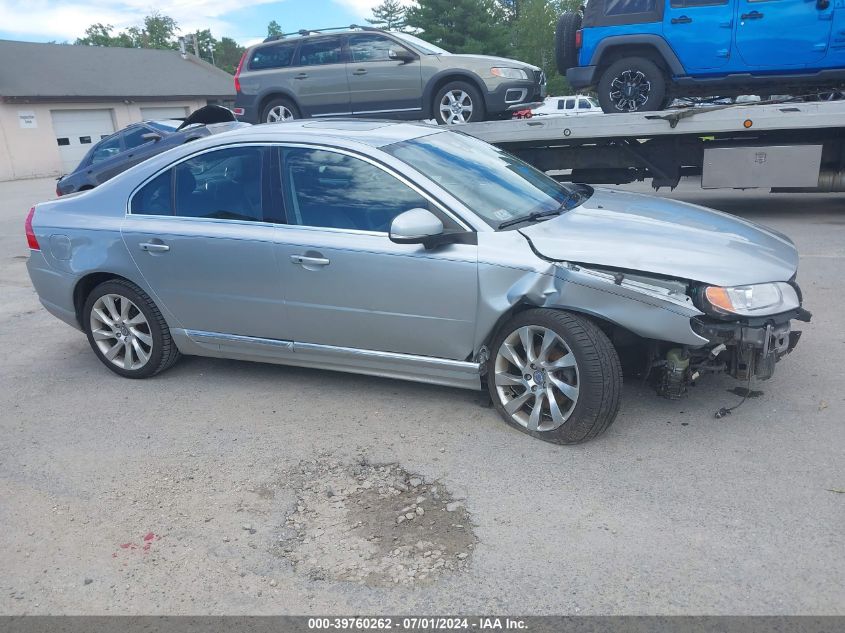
683, 4
224, 185
277, 55
627, 7
154, 198
106, 149
321, 51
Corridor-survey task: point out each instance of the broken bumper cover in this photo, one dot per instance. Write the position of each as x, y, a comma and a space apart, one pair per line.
753, 348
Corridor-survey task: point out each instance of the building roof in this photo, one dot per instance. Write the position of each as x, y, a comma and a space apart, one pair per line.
54, 71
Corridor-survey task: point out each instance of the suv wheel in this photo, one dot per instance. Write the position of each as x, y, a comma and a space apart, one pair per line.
555, 375
566, 52
279, 110
458, 102
632, 85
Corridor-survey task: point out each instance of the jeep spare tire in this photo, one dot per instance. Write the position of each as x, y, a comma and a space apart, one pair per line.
566, 52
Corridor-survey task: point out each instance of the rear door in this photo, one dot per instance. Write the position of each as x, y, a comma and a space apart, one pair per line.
319, 81
379, 84
776, 34
200, 236
700, 32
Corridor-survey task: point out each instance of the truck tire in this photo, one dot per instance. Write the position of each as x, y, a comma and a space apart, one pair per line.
566, 53
634, 84
555, 376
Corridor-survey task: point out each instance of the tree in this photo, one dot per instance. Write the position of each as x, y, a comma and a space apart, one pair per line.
533, 37
159, 31
97, 34
462, 26
227, 54
207, 45
274, 29
389, 15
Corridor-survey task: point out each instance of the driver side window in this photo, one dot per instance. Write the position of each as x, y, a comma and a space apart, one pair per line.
332, 190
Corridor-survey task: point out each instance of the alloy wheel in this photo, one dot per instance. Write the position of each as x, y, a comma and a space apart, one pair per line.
536, 378
629, 90
121, 332
456, 107
280, 113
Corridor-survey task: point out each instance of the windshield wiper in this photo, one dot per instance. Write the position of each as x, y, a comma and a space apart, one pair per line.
573, 199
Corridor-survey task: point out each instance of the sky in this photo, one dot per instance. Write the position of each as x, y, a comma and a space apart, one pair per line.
243, 20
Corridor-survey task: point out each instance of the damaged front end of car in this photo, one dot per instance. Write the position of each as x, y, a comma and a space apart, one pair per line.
743, 330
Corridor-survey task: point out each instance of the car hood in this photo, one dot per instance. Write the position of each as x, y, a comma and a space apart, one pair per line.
489, 59
665, 237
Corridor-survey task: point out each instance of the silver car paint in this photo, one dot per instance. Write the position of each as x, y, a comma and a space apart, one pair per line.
427, 317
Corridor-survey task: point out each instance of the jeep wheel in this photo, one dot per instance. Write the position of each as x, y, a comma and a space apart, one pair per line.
458, 102
555, 375
278, 111
566, 52
632, 85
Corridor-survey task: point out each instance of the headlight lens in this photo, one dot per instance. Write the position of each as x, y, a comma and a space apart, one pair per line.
756, 300
509, 73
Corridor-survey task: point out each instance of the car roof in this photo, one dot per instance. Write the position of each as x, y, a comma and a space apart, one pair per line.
376, 133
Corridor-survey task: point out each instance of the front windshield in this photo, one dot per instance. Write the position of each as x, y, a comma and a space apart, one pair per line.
495, 185
421, 45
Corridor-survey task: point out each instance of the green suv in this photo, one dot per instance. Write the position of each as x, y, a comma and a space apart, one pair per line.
367, 72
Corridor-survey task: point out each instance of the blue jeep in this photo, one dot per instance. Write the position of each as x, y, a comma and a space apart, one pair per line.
641, 54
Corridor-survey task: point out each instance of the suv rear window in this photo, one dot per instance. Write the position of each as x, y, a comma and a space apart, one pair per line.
276, 55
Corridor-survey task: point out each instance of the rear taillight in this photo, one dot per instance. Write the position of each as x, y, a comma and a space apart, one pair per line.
58, 192
579, 39
30, 234
238, 73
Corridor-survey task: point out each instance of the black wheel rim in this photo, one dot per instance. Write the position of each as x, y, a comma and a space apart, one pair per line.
630, 90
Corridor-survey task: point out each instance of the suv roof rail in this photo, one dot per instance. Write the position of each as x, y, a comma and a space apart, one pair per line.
305, 32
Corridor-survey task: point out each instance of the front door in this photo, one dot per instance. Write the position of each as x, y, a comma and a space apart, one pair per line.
319, 81
200, 238
347, 284
700, 32
775, 34
379, 84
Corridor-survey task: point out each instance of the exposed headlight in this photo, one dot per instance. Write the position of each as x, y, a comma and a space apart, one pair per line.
509, 73
756, 300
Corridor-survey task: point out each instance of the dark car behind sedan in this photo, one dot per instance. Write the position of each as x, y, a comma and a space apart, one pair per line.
140, 141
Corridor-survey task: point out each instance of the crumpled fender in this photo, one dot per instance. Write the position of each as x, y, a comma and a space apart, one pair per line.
650, 311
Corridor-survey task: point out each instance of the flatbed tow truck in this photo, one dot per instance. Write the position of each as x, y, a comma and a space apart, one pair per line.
786, 146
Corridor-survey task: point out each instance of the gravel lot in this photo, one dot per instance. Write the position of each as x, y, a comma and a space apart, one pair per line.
181, 494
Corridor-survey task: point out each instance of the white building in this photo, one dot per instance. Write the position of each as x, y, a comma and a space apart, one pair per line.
56, 100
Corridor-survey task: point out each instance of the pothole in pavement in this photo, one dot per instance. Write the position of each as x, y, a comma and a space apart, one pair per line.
374, 524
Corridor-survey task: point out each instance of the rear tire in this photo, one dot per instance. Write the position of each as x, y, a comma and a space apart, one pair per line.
572, 373
634, 84
127, 331
566, 53
279, 111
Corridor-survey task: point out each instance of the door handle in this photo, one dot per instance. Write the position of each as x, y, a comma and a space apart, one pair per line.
301, 76
684, 19
152, 247
360, 71
310, 261
754, 15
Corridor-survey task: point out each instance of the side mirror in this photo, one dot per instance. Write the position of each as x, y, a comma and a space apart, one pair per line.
401, 55
821, 5
417, 226
151, 136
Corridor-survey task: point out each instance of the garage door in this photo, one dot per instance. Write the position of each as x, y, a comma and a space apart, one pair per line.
164, 112
77, 130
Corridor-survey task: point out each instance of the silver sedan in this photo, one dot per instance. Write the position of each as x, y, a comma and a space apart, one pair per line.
410, 252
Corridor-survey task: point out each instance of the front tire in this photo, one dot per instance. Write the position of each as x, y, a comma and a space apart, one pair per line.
458, 102
555, 376
635, 84
127, 331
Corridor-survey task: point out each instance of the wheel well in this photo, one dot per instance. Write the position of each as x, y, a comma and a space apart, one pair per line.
622, 51
442, 81
275, 95
84, 287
